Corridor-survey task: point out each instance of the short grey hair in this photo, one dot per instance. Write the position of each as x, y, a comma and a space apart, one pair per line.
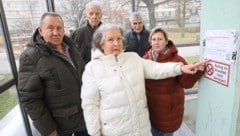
93, 3
52, 14
99, 35
135, 16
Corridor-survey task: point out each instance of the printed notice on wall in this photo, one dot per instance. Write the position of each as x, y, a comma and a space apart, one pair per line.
221, 45
218, 72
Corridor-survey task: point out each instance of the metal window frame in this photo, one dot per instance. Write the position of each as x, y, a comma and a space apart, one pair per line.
3, 24
10, 54
50, 5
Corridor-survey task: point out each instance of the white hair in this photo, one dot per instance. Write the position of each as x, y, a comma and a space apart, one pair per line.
135, 16
99, 35
93, 3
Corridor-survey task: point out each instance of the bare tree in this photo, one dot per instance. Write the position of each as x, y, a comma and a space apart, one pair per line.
181, 15
151, 4
116, 13
31, 5
24, 23
72, 11
151, 12
22, 29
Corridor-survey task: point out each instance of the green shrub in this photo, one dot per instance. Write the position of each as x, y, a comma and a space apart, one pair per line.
8, 101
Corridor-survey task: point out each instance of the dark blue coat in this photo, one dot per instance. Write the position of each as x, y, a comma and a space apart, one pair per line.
135, 45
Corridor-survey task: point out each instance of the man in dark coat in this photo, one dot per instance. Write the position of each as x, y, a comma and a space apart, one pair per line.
83, 35
137, 38
49, 80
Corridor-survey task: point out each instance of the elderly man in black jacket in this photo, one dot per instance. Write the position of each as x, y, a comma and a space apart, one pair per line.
49, 81
83, 35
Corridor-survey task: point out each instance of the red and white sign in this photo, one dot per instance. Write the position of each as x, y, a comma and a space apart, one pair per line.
218, 72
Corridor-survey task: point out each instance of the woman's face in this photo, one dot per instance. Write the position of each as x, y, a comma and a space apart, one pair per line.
158, 42
113, 42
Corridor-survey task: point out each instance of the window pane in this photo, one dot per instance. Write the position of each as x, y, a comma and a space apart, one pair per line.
5, 69
114, 11
11, 122
10, 119
180, 19
22, 19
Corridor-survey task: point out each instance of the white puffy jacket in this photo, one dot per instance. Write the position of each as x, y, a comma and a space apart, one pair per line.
113, 93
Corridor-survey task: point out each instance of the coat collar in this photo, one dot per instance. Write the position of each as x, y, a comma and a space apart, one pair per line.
97, 54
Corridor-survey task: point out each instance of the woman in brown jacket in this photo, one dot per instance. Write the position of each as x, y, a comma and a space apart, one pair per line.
166, 96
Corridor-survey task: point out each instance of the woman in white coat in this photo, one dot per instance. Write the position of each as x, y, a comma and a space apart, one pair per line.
113, 89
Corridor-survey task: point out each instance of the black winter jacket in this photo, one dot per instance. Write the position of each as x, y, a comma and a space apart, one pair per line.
50, 87
83, 37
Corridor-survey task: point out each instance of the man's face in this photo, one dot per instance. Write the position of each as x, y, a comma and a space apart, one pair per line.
52, 30
137, 25
94, 15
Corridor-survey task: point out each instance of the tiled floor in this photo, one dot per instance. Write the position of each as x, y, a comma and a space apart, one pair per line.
12, 125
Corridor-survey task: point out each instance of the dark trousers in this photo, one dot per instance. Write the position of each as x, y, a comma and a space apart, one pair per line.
156, 132
79, 133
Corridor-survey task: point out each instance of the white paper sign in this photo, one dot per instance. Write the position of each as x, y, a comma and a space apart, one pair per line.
221, 45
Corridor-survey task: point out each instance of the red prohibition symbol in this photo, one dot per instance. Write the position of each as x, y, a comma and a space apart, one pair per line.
209, 69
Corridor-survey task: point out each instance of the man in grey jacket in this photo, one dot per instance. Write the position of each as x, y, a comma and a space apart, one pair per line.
49, 80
